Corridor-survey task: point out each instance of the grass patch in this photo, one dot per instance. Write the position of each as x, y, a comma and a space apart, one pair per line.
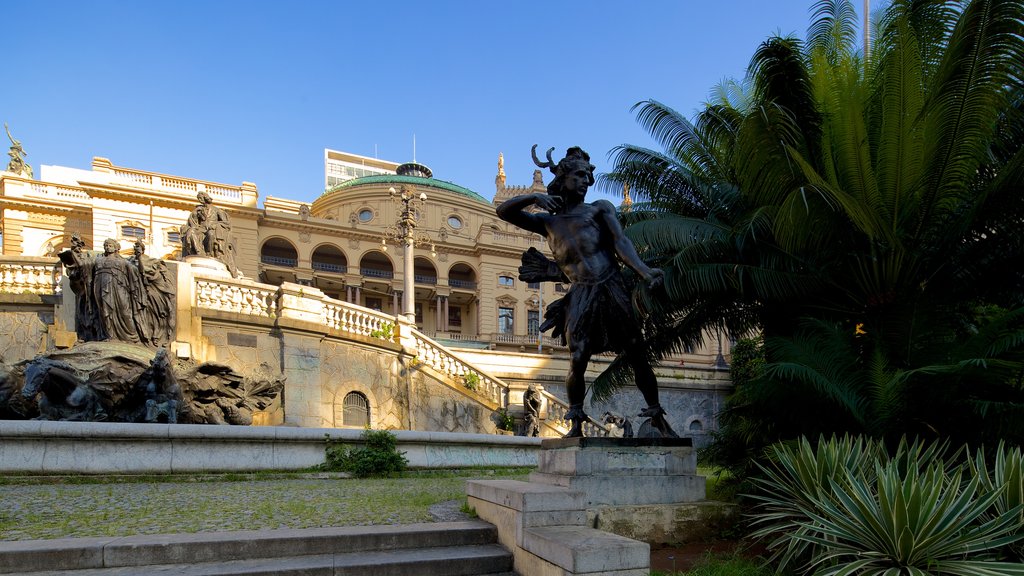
73, 507
722, 565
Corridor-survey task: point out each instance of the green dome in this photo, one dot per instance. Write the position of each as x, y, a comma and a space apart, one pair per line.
414, 180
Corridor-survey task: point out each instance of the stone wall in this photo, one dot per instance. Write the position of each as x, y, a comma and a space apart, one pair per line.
24, 322
378, 376
438, 407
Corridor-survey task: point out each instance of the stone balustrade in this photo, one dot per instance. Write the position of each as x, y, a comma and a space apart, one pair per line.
236, 296
353, 319
557, 409
29, 275
440, 359
244, 195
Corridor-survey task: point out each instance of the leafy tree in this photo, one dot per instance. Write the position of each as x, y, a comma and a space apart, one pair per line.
862, 214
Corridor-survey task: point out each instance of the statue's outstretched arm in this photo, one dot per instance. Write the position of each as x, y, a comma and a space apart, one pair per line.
624, 246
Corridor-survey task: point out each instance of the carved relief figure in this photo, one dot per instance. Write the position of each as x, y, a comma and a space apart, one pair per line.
588, 244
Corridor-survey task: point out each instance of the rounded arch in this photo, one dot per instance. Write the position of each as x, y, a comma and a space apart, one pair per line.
53, 245
356, 410
279, 251
327, 257
343, 390
424, 270
462, 275
376, 264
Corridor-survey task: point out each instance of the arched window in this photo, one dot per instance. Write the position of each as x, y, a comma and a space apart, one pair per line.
357, 410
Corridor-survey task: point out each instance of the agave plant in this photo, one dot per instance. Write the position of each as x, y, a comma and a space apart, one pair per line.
909, 522
845, 507
1006, 478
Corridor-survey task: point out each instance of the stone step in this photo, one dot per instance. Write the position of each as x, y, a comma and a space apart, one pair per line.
488, 559
45, 556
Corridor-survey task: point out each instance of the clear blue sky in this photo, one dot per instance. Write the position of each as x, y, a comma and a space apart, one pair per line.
234, 91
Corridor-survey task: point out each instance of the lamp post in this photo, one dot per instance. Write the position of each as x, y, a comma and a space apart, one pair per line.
404, 232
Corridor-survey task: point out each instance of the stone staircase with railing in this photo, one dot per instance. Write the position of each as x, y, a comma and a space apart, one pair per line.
490, 390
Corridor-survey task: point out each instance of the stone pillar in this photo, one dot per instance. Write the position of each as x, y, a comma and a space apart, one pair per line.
444, 316
359, 297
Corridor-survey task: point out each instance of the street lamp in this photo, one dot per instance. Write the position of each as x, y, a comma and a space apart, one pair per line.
404, 232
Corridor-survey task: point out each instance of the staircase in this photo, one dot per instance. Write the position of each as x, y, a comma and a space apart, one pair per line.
434, 549
489, 391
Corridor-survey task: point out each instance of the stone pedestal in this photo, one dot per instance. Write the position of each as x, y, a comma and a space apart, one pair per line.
594, 505
208, 266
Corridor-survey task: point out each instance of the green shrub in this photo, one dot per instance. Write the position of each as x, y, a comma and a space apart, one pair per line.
378, 456
471, 380
847, 507
386, 332
506, 421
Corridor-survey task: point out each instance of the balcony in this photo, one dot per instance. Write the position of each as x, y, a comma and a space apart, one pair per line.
325, 267
423, 279
279, 261
375, 273
466, 284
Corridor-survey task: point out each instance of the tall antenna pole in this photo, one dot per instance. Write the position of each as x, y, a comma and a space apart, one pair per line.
413, 147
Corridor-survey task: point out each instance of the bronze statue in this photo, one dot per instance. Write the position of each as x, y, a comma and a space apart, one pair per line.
531, 404
78, 267
596, 315
207, 232
120, 300
118, 296
17, 164
158, 318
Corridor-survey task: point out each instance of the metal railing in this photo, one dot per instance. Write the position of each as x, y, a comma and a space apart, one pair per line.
375, 273
279, 261
327, 267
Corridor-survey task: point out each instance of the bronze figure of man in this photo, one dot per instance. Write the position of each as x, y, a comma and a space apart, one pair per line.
596, 315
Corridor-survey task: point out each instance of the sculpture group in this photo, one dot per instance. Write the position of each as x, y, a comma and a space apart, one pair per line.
120, 299
596, 315
124, 309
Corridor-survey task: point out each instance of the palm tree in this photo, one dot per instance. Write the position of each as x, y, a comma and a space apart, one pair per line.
863, 216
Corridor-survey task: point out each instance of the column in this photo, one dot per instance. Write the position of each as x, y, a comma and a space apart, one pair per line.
445, 316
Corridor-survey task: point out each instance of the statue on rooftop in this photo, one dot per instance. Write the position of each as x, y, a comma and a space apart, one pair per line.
596, 315
17, 164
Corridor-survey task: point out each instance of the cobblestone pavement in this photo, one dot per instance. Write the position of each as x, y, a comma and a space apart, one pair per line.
38, 510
